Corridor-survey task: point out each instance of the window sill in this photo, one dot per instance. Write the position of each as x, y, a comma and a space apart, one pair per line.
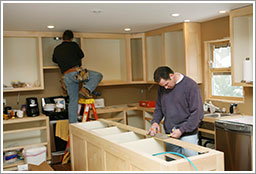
226, 101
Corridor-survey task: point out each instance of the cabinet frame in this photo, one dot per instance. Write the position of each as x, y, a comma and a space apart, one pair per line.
192, 47
245, 11
42, 118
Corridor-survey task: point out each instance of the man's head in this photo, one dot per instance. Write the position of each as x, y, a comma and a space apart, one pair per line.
68, 35
164, 76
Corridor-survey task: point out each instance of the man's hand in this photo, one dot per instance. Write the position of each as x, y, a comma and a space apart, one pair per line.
176, 133
154, 129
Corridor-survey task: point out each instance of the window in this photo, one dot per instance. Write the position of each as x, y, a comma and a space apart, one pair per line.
219, 73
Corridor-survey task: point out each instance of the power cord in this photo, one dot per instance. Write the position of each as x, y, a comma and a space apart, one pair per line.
175, 153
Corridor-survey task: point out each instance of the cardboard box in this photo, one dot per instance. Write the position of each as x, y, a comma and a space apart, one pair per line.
42, 167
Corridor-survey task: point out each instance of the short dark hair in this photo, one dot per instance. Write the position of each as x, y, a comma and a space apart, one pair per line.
162, 72
67, 35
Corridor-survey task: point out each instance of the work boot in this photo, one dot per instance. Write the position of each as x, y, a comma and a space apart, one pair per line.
85, 92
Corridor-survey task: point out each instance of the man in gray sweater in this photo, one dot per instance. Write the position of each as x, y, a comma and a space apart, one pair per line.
179, 102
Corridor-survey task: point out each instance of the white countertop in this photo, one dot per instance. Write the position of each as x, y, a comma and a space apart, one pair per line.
244, 119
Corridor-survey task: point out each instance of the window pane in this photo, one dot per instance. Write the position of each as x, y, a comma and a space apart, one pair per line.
221, 57
222, 86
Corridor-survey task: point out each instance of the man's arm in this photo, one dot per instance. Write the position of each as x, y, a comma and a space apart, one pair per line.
158, 114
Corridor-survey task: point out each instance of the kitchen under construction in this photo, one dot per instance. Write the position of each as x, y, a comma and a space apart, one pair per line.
128, 86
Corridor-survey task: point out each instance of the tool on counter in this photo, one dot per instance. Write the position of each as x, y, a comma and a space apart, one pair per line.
164, 136
147, 103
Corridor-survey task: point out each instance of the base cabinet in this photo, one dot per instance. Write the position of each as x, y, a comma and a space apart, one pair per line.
22, 133
105, 145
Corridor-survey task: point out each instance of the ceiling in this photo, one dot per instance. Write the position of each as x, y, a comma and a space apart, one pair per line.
113, 17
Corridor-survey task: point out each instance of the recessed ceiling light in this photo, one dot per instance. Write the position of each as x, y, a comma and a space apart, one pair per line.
96, 10
222, 11
175, 14
186, 20
50, 26
127, 29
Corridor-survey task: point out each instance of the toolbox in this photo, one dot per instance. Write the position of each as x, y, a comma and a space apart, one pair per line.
146, 103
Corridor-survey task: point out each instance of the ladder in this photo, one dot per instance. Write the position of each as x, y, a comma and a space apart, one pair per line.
88, 105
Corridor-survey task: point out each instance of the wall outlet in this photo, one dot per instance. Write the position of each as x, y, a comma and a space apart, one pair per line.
4, 101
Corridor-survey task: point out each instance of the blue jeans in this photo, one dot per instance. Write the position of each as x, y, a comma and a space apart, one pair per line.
73, 91
193, 139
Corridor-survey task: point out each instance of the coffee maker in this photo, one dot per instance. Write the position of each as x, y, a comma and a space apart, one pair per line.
32, 108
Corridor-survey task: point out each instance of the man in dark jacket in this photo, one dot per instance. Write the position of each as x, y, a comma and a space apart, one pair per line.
179, 102
68, 56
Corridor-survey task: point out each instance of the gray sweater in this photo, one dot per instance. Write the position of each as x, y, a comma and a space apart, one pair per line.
182, 107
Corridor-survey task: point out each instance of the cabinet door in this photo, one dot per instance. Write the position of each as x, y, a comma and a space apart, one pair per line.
241, 30
48, 45
193, 61
154, 55
174, 51
107, 56
22, 62
137, 59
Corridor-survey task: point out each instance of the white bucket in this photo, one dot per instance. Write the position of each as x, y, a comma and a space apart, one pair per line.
35, 155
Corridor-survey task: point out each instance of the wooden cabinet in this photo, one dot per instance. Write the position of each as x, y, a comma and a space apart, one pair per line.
121, 58
25, 132
177, 46
106, 55
22, 61
110, 146
241, 36
48, 45
136, 45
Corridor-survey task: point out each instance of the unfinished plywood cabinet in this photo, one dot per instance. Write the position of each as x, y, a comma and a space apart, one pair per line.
26, 132
177, 46
241, 36
110, 146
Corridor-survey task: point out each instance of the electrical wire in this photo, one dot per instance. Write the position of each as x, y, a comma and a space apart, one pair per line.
175, 153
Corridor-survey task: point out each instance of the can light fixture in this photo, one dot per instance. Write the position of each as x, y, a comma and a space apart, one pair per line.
50, 26
175, 14
96, 10
127, 29
222, 11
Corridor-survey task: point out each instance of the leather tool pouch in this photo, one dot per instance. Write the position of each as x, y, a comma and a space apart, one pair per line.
82, 74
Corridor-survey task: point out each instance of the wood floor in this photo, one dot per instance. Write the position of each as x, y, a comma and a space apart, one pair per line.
60, 167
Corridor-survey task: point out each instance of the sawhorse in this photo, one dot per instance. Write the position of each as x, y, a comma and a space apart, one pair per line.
88, 104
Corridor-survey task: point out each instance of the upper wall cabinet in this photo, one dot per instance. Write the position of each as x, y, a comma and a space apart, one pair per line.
48, 45
154, 55
136, 58
176, 46
174, 51
241, 36
22, 62
106, 55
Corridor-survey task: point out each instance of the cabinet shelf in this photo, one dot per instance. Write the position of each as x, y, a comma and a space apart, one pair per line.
24, 146
23, 89
24, 130
8, 165
50, 67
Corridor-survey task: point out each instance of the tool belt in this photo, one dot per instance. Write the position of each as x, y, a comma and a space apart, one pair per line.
81, 75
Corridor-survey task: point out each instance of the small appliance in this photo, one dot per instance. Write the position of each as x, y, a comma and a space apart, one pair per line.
32, 107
